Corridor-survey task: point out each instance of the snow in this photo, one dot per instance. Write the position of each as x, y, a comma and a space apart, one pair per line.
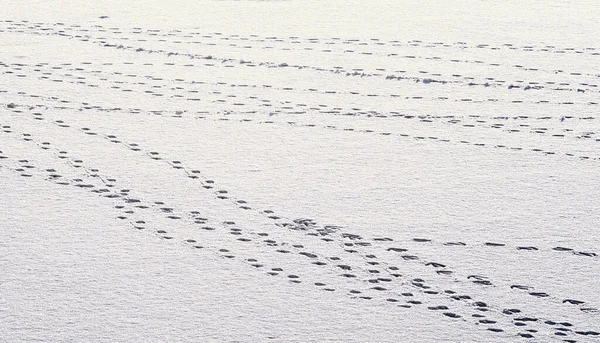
299, 171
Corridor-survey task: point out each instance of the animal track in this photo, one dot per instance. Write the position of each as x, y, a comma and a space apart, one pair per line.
395, 271
131, 205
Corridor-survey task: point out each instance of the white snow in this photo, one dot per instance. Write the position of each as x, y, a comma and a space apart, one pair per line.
249, 171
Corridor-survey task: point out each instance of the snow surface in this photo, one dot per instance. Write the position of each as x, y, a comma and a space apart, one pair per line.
299, 171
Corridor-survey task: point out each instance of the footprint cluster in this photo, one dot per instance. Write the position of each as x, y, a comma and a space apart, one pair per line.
193, 75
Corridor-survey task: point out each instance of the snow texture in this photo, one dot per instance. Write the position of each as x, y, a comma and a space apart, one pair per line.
299, 171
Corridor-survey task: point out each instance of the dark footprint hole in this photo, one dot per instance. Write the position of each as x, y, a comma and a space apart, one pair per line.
588, 333
527, 248
455, 243
451, 315
521, 287
562, 249
511, 311
574, 302
539, 294
383, 239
